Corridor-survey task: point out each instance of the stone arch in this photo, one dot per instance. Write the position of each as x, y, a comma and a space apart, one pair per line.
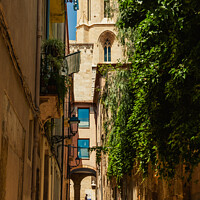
106, 35
77, 175
84, 170
87, 188
104, 38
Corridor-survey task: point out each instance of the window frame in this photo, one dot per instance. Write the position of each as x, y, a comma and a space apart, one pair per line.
87, 127
80, 147
107, 50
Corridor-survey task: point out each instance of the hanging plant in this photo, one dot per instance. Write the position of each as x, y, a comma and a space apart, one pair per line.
52, 64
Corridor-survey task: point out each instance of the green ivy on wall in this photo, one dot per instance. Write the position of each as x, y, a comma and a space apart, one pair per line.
154, 106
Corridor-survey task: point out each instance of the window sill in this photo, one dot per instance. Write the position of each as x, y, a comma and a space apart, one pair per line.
84, 127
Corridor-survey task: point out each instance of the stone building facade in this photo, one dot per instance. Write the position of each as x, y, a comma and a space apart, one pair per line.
133, 186
96, 40
18, 97
29, 167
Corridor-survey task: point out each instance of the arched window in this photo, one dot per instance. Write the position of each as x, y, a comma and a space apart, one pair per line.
107, 51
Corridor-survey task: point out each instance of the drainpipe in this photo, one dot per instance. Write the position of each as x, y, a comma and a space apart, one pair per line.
66, 31
48, 19
37, 96
63, 117
95, 114
62, 153
101, 167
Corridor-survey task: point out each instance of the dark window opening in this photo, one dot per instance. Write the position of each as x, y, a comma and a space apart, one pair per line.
107, 51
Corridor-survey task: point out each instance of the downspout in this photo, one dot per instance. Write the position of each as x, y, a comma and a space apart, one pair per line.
63, 117
48, 19
68, 166
66, 31
95, 115
68, 175
101, 169
62, 151
37, 98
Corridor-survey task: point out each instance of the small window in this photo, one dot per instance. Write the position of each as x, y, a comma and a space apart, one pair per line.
107, 51
106, 8
83, 145
83, 116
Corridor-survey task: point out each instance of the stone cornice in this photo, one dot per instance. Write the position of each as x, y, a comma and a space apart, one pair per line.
95, 24
82, 45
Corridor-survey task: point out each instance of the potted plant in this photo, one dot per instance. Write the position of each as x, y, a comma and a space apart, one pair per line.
52, 63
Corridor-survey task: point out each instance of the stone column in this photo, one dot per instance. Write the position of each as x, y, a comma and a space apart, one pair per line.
77, 189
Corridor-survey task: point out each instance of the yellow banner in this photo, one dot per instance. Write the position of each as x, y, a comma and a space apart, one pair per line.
57, 11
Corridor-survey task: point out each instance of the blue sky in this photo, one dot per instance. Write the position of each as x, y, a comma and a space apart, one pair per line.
72, 19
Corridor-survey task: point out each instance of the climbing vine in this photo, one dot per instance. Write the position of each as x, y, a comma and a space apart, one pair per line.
99, 150
152, 109
117, 100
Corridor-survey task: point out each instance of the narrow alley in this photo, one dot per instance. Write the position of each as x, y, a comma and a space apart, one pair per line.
99, 100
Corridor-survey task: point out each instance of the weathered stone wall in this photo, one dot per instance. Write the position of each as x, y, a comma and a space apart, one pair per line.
17, 76
134, 187
83, 79
21, 17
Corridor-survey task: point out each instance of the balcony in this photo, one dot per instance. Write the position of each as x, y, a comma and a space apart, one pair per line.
53, 85
55, 72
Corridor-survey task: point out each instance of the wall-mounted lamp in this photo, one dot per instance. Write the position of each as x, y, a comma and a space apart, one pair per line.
93, 184
73, 122
78, 161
